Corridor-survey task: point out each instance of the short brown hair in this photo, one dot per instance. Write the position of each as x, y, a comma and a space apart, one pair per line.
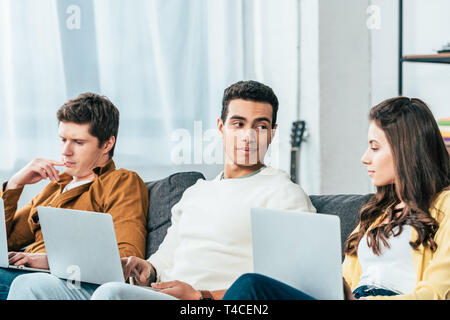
252, 91
101, 114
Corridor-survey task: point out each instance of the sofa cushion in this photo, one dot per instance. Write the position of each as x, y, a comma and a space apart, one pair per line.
345, 206
163, 195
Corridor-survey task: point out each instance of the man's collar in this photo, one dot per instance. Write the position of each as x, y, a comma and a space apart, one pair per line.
108, 166
222, 175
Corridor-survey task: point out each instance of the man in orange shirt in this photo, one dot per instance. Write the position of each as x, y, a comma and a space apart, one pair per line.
88, 127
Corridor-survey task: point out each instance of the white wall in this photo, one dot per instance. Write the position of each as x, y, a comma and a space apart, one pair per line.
384, 52
335, 95
310, 157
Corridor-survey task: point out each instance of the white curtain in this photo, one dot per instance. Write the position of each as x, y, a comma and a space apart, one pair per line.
163, 63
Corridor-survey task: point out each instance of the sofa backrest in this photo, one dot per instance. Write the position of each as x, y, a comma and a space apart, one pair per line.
165, 193
345, 206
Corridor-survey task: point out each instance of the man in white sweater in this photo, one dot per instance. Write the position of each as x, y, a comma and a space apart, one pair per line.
209, 244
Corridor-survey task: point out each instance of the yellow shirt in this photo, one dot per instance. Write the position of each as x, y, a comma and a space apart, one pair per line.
432, 268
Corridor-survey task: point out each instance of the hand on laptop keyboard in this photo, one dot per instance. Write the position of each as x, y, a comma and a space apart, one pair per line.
32, 260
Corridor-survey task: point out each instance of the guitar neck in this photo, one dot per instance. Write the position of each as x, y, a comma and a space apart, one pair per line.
298, 129
294, 167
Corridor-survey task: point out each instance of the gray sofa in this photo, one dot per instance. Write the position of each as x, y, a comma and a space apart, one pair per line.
164, 193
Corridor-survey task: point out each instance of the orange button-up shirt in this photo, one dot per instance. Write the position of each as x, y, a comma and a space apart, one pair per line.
120, 193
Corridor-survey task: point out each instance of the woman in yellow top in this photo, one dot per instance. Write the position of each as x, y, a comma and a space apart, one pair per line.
401, 247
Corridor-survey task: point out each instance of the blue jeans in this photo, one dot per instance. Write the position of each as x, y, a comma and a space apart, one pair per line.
252, 286
6, 278
366, 291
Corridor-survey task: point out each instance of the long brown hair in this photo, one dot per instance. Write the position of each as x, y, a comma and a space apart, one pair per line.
422, 170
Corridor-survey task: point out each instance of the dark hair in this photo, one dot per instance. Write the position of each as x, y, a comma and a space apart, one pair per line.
422, 170
98, 111
253, 91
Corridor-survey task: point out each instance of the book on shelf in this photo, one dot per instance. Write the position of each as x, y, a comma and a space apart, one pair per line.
445, 55
443, 122
445, 48
444, 127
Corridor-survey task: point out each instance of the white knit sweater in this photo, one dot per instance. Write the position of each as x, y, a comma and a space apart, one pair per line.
209, 244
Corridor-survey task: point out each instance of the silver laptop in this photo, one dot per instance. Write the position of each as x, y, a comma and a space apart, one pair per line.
4, 261
81, 245
302, 250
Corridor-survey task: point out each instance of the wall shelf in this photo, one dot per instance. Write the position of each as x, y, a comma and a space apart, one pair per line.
429, 58
443, 58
